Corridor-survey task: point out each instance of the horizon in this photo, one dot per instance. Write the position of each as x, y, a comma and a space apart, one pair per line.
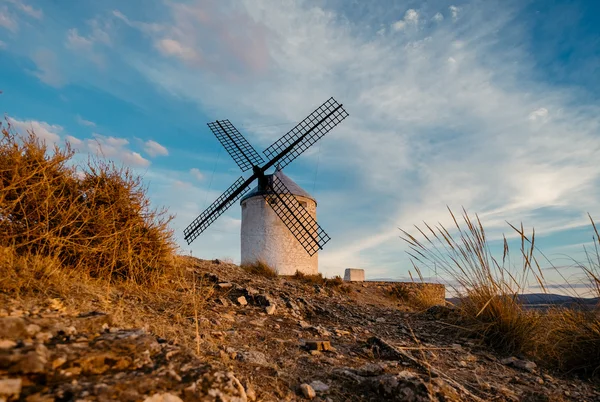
487, 105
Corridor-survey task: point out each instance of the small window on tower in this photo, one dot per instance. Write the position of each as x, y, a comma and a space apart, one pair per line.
243, 205
303, 204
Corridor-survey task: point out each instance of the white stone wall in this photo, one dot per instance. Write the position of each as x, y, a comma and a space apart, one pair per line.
265, 237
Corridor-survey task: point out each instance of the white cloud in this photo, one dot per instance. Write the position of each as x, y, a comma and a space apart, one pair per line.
454, 11
153, 148
537, 114
27, 9
74, 141
85, 122
411, 17
116, 149
198, 175
78, 42
88, 45
171, 47
49, 133
7, 21
398, 25
47, 68
433, 135
438, 17
148, 28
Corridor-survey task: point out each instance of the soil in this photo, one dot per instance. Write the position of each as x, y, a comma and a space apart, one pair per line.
266, 339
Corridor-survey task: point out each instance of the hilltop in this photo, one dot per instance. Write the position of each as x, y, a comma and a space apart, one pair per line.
253, 338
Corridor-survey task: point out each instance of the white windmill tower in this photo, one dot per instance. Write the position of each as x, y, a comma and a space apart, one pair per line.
265, 237
278, 218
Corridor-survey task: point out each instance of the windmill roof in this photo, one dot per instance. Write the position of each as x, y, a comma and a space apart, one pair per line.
294, 188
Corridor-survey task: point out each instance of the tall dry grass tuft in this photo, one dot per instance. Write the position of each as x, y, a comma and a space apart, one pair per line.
99, 220
489, 289
570, 338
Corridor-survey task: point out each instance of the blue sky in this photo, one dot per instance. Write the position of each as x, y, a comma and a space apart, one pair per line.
490, 105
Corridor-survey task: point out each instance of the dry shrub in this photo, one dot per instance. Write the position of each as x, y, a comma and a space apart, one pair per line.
259, 268
571, 337
489, 307
418, 295
319, 279
570, 340
168, 307
98, 220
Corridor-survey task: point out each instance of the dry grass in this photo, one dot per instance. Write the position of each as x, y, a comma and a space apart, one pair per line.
419, 297
97, 220
319, 279
260, 268
88, 237
168, 307
489, 288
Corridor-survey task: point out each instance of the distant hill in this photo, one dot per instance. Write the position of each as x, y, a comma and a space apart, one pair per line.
543, 300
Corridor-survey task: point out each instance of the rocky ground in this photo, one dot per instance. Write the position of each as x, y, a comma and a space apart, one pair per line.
265, 339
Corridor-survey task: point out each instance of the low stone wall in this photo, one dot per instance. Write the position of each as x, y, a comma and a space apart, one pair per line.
354, 275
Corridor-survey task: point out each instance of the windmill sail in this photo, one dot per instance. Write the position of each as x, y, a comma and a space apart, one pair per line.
216, 209
235, 144
282, 152
306, 133
297, 219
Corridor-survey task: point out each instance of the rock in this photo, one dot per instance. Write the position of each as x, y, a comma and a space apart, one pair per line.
254, 357
225, 285
33, 362
33, 329
407, 386
58, 362
43, 336
6, 344
369, 370
319, 386
304, 325
270, 310
318, 345
10, 388
308, 391
380, 319
12, 328
439, 311
518, 363
290, 304
163, 398
242, 301
525, 365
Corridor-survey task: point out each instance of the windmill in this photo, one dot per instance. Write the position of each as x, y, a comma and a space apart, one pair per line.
274, 190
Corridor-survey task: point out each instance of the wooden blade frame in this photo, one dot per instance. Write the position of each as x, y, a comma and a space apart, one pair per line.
306, 133
216, 209
235, 144
297, 219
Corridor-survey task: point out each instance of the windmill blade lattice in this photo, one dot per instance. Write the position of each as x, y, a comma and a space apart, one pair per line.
302, 225
216, 209
235, 144
312, 128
